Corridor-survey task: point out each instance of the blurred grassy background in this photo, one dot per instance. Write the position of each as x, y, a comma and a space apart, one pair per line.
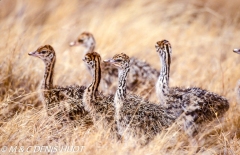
202, 33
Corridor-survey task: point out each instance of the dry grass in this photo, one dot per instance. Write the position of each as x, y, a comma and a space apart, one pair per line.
202, 32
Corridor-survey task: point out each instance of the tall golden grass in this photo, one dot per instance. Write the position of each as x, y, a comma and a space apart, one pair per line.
202, 33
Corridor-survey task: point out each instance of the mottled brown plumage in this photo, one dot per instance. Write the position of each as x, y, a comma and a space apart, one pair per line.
197, 105
99, 106
65, 103
142, 76
135, 116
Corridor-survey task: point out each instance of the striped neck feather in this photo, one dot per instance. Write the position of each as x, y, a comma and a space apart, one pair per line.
48, 75
121, 91
162, 86
93, 87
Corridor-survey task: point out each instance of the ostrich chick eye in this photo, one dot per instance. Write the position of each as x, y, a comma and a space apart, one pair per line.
118, 60
44, 52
